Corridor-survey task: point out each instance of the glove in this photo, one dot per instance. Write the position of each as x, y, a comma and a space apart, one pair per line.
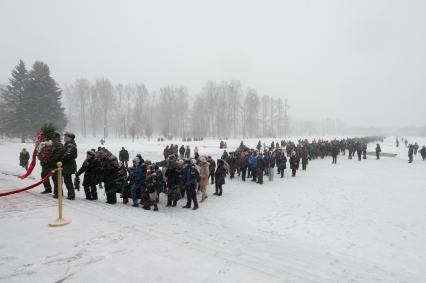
77, 183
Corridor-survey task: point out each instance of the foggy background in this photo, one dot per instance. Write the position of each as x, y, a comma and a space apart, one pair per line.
361, 62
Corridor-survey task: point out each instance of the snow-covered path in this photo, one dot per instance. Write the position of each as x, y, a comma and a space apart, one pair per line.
352, 222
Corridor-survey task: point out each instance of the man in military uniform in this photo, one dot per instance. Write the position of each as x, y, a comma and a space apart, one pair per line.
49, 152
69, 166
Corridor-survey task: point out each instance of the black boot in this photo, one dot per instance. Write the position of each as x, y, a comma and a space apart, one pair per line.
46, 191
155, 207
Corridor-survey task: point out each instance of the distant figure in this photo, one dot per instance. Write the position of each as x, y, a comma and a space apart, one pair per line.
24, 157
187, 152
294, 163
123, 156
224, 155
423, 153
410, 153
416, 148
397, 142
378, 150
102, 141
182, 152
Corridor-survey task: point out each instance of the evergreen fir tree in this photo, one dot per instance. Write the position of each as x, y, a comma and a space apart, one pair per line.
15, 107
45, 98
30, 100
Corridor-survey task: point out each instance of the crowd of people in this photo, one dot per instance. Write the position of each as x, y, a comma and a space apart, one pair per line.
183, 173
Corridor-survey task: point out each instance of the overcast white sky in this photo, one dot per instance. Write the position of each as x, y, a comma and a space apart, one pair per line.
363, 61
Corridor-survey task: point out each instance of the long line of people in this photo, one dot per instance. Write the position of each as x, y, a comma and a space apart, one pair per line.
179, 174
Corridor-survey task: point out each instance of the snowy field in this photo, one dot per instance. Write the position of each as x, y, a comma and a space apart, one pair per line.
351, 222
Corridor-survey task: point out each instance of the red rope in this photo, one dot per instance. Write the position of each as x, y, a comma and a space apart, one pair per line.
29, 187
31, 167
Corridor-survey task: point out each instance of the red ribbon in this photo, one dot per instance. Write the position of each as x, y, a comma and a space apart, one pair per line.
29, 187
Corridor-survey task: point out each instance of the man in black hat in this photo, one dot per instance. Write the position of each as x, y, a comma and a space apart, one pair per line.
69, 166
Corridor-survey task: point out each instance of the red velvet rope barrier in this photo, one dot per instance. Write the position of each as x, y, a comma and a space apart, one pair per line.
29, 187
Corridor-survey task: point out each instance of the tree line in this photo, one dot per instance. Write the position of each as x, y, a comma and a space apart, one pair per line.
220, 109
100, 108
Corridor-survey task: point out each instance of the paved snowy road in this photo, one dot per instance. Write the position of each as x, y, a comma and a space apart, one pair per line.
353, 222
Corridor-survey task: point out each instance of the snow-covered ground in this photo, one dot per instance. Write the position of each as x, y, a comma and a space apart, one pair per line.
351, 222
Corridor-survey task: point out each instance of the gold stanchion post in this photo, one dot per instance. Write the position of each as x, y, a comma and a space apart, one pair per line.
59, 221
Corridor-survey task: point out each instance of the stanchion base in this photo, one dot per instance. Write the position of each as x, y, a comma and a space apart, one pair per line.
59, 222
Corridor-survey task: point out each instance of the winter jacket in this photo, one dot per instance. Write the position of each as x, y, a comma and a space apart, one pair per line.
253, 161
24, 157
282, 162
294, 162
220, 174
90, 169
244, 162
69, 155
272, 160
204, 174
190, 175
260, 164
123, 155
212, 167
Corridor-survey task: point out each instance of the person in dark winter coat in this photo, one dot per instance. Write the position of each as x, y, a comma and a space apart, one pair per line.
69, 166
24, 157
152, 181
224, 155
378, 150
138, 176
90, 168
423, 152
294, 163
123, 156
220, 175
282, 164
108, 174
334, 152
232, 162
416, 148
260, 167
253, 165
166, 152
182, 151
212, 168
364, 151
173, 185
410, 153
48, 161
244, 164
271, 165
305, 157
190, 177
359, 151
187, 152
